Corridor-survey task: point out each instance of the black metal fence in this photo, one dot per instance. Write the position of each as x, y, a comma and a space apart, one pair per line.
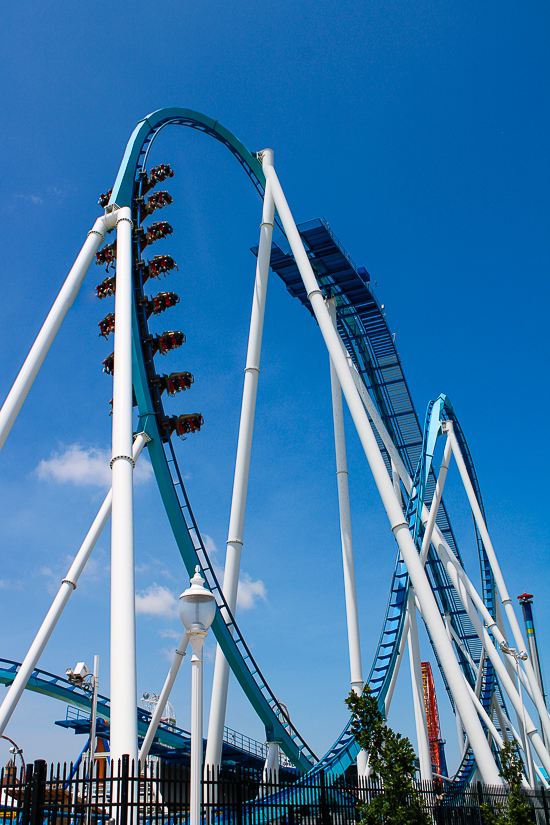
158, 794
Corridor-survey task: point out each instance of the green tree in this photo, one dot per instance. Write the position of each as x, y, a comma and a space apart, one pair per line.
518, 810
393, 762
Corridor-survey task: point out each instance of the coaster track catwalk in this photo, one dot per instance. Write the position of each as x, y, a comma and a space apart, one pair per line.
364, 354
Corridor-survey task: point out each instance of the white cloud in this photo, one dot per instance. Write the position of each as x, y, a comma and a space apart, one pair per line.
169, 634
157, 600
86, 467
167, 653
32, 198
210, 547
249, 590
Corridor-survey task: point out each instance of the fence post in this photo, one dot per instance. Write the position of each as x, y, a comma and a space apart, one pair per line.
123, 790
25, 813
544, 804
323, 800
480, 799
38, 791
239, 796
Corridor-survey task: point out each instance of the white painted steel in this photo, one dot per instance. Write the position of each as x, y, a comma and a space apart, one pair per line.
68, 585
401, 650
436, 500
501, 720
422, 740
350, 589
457, 577
397, 665
500, 638
391, 504
526, 745
271, 766
461, 739
123, 731
447, 556
93, 717
44, 339
196, 638
535, 691
396, 483
354, 641
220, 683
491, 728
164, 697
414, 650
485, 716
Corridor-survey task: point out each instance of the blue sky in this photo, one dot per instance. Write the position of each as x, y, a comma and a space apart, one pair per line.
419, 132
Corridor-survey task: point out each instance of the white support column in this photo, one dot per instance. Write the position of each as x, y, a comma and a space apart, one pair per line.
527, 744
164, 697
402, 645
501, 722
350, 590
429, 523
218, 702
449, 559
68, 586
459, 579
396, 482
383, 482
462, 742
422, 740
270, 772
487, 718
491, 728
93, 718
197, 641
467, 592
123, 620
50, 328
414, 650
535, 691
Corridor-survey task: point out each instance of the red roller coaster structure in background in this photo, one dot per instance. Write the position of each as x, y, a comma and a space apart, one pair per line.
437, 750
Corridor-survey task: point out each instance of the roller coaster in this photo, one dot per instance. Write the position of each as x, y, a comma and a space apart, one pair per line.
482, 674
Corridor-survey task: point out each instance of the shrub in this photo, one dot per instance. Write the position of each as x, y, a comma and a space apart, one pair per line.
393, 762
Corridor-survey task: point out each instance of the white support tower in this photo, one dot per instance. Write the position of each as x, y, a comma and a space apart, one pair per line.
66, 589
391, 504
123, 735
350, 589
513, 668
218, 702
34, 360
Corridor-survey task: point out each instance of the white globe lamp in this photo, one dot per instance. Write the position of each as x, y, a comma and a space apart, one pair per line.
197, 608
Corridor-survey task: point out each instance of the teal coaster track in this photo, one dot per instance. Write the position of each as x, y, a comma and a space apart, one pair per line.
363, 328
366, 335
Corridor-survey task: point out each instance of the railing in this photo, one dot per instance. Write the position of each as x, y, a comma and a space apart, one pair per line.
159, 795
244, 743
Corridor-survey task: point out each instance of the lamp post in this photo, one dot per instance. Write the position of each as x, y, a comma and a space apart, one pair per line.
83, 677
15, 750
79, 677
197, 609
516, 656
